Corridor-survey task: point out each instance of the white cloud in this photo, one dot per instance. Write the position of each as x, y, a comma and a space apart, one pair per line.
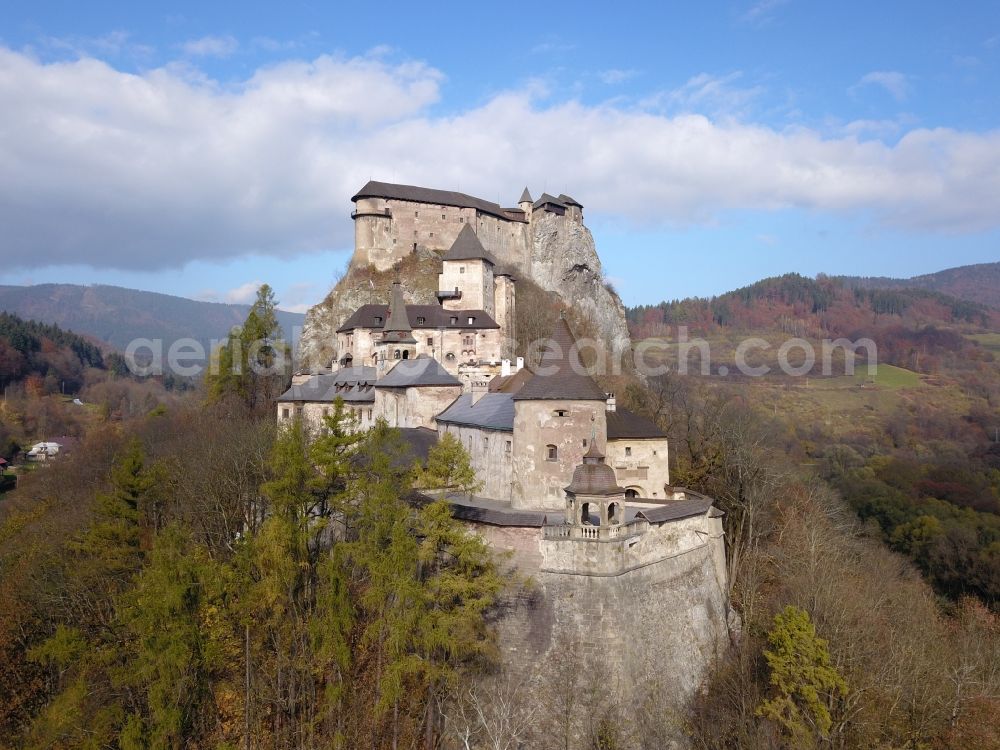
153, 170
211, 46
707, 94
892, 81
616, 75
243, 294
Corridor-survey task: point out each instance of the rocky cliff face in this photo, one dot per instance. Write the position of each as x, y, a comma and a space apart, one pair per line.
562, 260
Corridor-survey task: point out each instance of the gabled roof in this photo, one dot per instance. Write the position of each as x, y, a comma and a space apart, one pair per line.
569, 201
432, 316
468, 247
546, 198
493, 411
624, 424
525, 197
417, 194
556, 375
397, 328
352, 384
422, 371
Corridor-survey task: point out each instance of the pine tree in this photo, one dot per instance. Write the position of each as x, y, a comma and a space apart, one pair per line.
448, 466
804, 683
252, 364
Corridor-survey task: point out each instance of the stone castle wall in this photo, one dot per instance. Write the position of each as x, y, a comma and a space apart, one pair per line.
632, 648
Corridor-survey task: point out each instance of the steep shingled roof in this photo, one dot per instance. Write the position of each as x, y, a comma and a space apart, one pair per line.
352, 384
546, 198
555, 376
468, 247
417, 194
525, 196
422, 371
397, 328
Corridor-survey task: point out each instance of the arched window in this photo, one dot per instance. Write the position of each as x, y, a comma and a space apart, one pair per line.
406, 353
395, 354
585, 514
613, 513
630, 493
551, 453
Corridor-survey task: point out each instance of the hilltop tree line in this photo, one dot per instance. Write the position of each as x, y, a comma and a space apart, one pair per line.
53, 358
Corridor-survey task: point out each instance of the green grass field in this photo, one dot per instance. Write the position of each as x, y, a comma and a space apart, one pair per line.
889, 376
989, 341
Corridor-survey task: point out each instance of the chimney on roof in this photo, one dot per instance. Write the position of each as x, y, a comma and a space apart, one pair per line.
520, 364
612, 404
504, 368
479, 389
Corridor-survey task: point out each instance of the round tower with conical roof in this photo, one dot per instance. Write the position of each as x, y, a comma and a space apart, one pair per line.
593, 497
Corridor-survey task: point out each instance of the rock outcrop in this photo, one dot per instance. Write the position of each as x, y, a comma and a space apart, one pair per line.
562, 260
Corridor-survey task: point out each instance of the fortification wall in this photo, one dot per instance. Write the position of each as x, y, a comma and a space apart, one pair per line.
629, 649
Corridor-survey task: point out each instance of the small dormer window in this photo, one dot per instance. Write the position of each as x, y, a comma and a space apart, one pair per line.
471, 320
561, 412
421, 321
461, 269
454, 321
378, 320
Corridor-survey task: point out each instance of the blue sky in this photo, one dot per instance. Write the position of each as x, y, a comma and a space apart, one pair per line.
199, 149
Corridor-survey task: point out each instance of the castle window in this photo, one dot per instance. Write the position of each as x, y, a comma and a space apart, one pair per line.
421, 321
442, 216
613, 513
468, 341
369, 414
585, 442
406, 354
432, 234
506, 447
628, 450
551, 453
471, 320
393, 240
461, 269
461, 220
450, 356
631, 493
326, 412
430, 342
395, 354
378, 320
284, 413
486, 442
563, 413
454, 321
414, 232
416, 214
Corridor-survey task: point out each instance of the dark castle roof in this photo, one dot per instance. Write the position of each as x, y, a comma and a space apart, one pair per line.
422, 371
436, 197
420, 317
624, 424
525, 197
468, 247
555, 376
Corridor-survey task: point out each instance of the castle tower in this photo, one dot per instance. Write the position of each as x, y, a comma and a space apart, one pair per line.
525, 203
594, 494
466, 278
396, 342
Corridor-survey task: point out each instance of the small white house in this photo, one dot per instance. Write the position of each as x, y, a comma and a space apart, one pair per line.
44, 451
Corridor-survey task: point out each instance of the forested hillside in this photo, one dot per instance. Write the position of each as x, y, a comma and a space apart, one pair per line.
55, 359
979, 283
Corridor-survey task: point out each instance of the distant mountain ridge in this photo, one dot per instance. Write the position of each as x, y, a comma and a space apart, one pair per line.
117, 315
977, 283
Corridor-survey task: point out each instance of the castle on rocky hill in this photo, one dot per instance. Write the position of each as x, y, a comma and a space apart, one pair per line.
629, 571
